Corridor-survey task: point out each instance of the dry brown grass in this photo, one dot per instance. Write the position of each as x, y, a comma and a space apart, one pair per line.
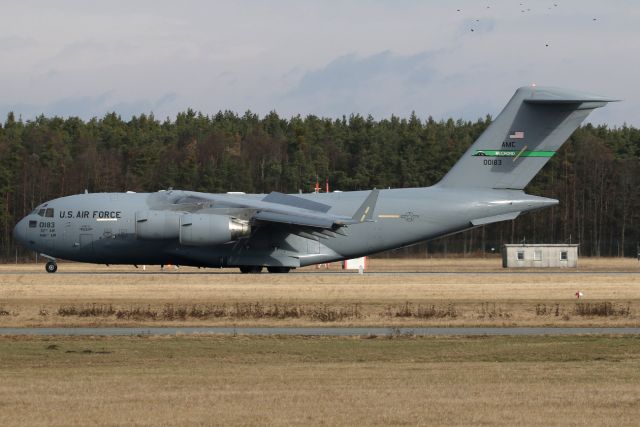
328, 381
320, 381
482, 294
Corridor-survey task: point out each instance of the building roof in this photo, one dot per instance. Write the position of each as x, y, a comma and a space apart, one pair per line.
541, 245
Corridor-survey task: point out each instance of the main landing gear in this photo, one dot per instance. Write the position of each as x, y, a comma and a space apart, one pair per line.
51, 267
255, 269
250, 269
278, 269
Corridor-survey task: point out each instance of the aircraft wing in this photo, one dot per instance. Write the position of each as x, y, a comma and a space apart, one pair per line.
292, 210
311, 214
279, 208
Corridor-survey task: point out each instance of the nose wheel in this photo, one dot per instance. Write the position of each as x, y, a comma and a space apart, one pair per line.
51, 267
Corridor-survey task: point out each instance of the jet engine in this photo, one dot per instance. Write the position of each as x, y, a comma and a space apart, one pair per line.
157, 224
210, 229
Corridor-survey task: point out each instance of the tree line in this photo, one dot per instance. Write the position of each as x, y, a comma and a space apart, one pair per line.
595, 175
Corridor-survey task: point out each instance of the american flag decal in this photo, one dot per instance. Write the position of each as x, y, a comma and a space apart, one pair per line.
517, 135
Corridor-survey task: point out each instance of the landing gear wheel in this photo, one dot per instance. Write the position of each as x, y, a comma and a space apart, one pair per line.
252, 269
278, 269
51, 267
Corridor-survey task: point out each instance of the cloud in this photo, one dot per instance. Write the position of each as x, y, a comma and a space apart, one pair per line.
87, 107
376, 84
82, 106
477, 26
12, 43
363, 57
160, 108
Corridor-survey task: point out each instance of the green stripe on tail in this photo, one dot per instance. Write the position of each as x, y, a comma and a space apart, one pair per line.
513, 153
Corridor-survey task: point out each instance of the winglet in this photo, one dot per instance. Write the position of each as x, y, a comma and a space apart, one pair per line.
365, 211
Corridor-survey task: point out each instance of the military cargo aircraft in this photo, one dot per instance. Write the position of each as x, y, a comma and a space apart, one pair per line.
285, 231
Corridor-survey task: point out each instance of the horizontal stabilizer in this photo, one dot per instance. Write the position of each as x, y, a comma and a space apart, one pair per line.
495, 218
544, 95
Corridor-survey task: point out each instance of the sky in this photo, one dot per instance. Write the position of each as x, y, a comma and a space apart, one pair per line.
459, 59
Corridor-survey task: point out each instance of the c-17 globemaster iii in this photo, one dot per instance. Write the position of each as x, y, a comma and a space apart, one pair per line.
285, 231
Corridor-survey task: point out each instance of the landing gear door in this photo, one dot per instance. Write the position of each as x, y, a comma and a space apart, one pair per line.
313, 246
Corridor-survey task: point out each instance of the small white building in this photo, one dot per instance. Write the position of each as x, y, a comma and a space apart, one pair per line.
541, 255
355, 263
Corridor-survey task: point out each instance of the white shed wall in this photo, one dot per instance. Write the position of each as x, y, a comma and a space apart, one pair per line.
532, 256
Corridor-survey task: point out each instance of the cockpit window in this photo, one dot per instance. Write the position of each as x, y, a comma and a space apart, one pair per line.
41, 212
49, 213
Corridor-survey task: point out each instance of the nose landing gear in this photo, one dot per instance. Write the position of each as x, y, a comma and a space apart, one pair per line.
51, 267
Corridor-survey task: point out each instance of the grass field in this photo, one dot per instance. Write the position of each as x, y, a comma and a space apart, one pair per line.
390, 380
320, 381
481, 293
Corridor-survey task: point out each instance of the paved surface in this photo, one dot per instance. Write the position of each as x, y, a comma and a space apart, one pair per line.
337, 332
331, 273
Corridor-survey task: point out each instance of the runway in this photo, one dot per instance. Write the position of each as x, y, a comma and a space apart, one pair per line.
324, 273
327, 332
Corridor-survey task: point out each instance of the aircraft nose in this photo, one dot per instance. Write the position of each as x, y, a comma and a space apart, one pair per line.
20, 232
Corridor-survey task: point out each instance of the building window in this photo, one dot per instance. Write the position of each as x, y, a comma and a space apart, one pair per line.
520, 255
563, 255
537, 255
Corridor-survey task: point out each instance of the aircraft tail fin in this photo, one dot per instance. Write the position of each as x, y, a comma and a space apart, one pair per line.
525, 135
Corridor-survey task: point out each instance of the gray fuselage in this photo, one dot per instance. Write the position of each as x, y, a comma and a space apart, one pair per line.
101, 227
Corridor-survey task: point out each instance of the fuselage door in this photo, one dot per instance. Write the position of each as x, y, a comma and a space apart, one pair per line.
86, 242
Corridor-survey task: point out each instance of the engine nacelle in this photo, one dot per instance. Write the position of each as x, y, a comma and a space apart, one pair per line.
158, 224
210, 229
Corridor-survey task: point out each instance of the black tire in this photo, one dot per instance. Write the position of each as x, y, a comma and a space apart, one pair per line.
51, 267
278, 269
250, 269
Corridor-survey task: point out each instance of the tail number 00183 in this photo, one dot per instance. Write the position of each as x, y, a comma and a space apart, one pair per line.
492, 162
